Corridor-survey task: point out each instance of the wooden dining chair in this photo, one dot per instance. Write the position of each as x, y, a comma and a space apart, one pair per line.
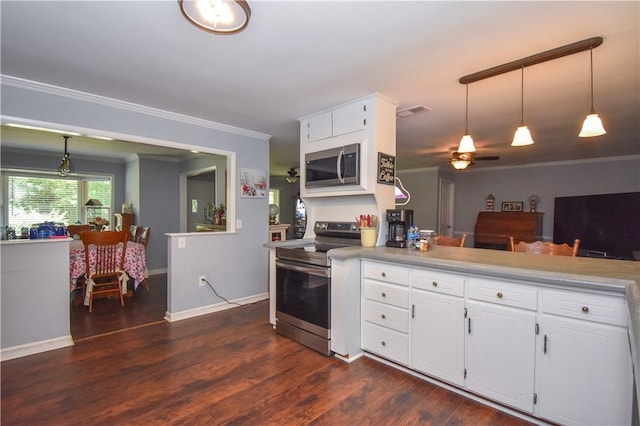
104, 259
143, 235
541, 247
134, 232
442, 240
74, 230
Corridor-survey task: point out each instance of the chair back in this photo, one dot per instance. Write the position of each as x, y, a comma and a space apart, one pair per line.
74, 230
144, 235
442, 240
110, 247
540, 247
134, 232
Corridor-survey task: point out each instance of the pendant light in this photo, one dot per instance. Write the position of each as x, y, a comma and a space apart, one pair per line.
522, 136
66, 166
592, 125
466, 143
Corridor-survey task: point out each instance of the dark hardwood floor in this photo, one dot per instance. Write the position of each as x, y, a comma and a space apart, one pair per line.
108, 316
228, 368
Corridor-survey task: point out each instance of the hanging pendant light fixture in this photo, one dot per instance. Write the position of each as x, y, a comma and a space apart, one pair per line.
66, 166
592, 125
217, 16
466, 143
522, 136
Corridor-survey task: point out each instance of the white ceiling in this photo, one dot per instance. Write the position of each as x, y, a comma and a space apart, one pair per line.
299, 57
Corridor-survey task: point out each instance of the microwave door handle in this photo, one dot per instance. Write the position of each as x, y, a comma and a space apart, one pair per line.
339, 166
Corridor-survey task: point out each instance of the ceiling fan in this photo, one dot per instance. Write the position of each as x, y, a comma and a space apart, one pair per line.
462, 160
292, 175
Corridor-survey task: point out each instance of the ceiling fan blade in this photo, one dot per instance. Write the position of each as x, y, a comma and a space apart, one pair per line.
487, 157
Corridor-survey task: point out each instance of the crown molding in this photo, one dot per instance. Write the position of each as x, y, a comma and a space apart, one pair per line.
48, 89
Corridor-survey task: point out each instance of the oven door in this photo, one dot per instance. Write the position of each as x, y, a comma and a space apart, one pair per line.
303, 297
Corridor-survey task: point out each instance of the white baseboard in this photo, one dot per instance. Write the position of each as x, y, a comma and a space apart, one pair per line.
35, 347
203, 310
158, 271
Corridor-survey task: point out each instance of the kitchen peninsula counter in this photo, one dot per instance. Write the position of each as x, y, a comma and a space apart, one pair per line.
602, 275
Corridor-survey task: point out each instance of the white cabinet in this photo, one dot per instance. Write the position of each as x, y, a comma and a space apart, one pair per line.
500, 353
585, 374
500, 346
437, 325
343, 120
385, 313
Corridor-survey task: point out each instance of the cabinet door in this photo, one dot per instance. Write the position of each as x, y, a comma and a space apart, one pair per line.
585, 372
437, 335
319, 127
500, 353
349, 118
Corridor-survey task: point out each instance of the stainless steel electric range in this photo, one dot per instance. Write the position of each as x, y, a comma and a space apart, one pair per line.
303, 285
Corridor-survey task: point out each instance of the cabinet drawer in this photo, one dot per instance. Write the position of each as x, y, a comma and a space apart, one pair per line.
589, 307
386, 293
384, 342
385, 315
437, 281
503, 293
385, 272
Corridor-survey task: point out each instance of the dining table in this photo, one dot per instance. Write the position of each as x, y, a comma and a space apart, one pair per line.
135, 263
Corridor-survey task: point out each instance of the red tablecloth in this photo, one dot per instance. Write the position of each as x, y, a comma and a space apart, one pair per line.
135, 262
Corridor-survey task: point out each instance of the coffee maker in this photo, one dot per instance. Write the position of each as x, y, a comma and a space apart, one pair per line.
399, 222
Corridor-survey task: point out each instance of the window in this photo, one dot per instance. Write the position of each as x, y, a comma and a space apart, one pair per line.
36, 198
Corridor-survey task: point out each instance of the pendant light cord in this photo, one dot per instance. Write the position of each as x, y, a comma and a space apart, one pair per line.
522, 95
466, 115
593, 111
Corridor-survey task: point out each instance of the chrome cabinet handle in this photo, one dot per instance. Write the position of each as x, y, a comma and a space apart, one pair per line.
435, 283
545, 343
384, 274
499, 295
585, 309
383, 294
383, 316
383, 343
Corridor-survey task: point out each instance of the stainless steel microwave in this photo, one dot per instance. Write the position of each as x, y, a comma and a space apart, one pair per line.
333, 167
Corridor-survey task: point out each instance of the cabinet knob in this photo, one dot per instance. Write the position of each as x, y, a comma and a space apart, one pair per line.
585, 309
384, 343
383, 316
435, 283
384, 274
499, 295
384, 294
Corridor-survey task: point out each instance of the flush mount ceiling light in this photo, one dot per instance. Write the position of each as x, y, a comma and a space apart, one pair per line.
522, 136
466, 143
217, 16
66, 166
292, 175
592, 125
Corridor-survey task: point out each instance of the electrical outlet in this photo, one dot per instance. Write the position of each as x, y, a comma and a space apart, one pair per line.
202, 280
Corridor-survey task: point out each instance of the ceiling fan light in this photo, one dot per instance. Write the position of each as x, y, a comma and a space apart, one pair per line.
466, 144
460, 164
522, 137
592, 126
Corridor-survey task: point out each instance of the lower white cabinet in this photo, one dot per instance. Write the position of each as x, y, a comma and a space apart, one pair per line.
559, 354
501, 353
585, 373
437, 335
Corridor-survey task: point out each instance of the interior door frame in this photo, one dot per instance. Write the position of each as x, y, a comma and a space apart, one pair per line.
446, 198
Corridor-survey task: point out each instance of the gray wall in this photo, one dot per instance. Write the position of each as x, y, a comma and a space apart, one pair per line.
245, 264
550, 180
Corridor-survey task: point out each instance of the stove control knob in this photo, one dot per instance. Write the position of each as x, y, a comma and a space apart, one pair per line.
354, 227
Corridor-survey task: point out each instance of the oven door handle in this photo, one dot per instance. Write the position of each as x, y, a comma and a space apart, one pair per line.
320, 272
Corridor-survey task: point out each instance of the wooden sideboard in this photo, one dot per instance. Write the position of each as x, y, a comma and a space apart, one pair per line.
123, 221
493, 229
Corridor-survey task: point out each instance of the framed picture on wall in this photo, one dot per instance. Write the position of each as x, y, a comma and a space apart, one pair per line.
386, 169
512, 206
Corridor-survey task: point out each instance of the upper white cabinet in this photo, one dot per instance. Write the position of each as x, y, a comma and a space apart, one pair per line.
369, 122
343, 120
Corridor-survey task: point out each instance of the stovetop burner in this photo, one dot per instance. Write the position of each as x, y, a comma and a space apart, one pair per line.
329, 235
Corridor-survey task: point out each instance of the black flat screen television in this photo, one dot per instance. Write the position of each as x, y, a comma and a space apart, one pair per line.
608, 225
